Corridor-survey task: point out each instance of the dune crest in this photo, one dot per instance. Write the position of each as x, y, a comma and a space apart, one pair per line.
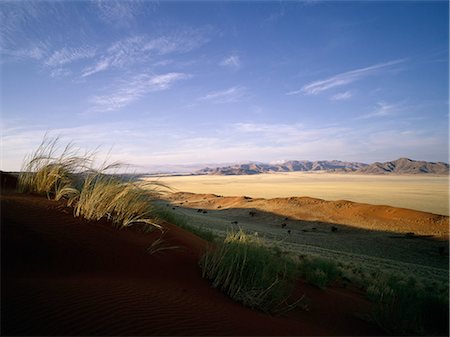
359, 215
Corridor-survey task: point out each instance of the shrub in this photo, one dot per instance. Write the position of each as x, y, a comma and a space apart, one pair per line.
250, 273
318, 271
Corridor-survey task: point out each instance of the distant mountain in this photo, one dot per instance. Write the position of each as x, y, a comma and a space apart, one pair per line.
406, 166
399, 166
288, 166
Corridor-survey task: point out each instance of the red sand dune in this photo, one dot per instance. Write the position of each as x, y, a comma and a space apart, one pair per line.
66, 276
358, 215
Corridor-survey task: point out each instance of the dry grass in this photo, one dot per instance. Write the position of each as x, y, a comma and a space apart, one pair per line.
52, 171
64, 174
123, 202
247, 271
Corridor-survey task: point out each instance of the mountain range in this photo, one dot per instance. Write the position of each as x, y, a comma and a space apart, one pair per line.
399, 166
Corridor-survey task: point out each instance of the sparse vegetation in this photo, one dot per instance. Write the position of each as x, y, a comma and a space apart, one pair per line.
67, 175
318, 271
242, 267
407, 307
123, 202
52, 172
181, 222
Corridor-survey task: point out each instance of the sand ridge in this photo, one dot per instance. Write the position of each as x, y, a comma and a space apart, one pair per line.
65, 276
358, 215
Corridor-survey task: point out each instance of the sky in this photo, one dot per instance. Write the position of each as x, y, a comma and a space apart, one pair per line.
160, 84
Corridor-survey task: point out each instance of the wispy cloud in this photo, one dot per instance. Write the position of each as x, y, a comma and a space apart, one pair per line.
119, 13
101, 65
288, 133
133, 89
342, 96
68, 55
233, 61
230, 95
35, 52
383, 109
140, 49
60, 73
342, 79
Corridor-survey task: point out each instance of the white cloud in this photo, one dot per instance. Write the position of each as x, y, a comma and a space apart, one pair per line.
101, 65
119, 13
140, 49
383, 109
34, 52
68, 55
133, 89
60, 73
227, 143
233, 94
342, 79
232, 61
342, 96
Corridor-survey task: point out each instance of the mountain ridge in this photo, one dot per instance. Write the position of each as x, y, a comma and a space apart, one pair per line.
400, 166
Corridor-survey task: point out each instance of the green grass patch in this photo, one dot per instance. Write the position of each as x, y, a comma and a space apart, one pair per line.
406, 307
250, 273
318, 271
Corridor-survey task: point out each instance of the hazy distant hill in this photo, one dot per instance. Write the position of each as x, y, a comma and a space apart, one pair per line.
288, 166
399, 166
406, 166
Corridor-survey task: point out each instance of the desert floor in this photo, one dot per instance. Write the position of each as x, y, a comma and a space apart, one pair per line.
424, 193
65, 276
366, 239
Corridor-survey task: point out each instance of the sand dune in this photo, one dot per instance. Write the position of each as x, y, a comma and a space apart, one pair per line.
66, 276
358, 215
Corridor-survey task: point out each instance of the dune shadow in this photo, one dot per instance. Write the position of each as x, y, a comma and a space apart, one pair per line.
320, 237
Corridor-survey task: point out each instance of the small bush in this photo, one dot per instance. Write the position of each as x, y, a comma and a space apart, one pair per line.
318, 271
250, 273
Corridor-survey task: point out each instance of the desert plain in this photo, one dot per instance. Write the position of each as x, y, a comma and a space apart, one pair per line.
368, 223
419, 192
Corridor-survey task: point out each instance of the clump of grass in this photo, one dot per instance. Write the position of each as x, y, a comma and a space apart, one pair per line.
123, 202
181, 222
406, 307
52, 172
94, 194
250, 273
318, 271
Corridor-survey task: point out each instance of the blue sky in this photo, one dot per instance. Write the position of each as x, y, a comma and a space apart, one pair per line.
177, 83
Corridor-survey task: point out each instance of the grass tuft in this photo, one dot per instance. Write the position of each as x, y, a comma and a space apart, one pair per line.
405, 307
93, 193
51, 171
250, 273
123, 202
318, 271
